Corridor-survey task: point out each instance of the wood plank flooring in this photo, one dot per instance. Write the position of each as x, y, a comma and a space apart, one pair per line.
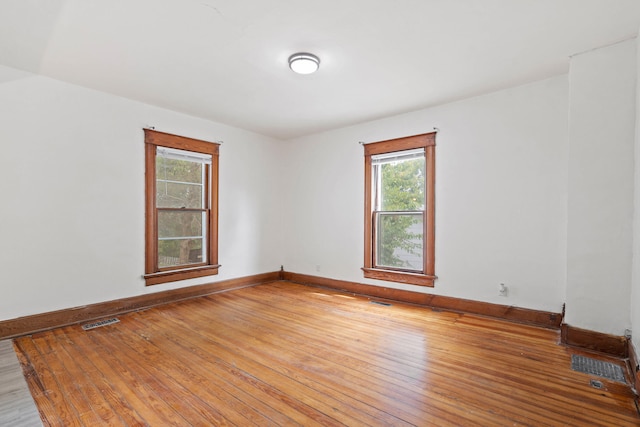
17, 407
286, 354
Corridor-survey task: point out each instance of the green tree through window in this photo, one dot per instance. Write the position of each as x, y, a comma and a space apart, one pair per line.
400, 219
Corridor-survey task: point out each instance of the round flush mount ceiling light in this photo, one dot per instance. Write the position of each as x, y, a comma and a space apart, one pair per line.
304, 63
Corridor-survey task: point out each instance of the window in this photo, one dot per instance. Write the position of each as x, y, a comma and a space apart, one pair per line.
399, 210
181, 208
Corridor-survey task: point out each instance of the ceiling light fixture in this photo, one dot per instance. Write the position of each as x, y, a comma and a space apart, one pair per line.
304, 63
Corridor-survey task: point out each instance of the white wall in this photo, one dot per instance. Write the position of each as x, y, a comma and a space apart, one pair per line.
600, 209
526, 196
500, 196
72, 191
635, 282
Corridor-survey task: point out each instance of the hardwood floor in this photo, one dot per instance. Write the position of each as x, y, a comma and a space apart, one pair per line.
286, 354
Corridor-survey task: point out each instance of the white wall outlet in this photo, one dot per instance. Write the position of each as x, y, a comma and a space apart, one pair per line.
318, 267
503, 291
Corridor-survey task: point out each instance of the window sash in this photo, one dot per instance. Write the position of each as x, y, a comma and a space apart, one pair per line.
398, 253
164, 240
389, 159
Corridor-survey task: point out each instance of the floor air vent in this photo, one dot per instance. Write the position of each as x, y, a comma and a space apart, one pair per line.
597, 367
386, 304
99, 323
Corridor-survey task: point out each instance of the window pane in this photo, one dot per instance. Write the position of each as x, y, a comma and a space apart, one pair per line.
399, 240
180, 252
401, 185
180, 238
178, 170
179, 183
178, 195
180, 224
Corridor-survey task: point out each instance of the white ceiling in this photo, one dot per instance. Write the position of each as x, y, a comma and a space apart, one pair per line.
226, 60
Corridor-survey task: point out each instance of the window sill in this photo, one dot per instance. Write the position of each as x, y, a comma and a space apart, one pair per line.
175, 275
399, 276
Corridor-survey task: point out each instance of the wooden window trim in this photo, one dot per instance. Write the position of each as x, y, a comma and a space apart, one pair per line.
154, 275
427, 277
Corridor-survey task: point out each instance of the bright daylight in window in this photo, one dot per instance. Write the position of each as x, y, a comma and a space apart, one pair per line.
398, 213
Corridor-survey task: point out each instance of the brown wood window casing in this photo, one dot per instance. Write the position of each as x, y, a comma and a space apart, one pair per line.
421, 218
172, 218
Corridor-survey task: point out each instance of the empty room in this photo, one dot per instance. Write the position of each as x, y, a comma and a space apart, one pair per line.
360, 213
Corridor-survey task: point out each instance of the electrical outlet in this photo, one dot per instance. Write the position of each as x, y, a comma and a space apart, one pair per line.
503, 291
318, 267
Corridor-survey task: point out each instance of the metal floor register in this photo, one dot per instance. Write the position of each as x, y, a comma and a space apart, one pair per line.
591, 366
